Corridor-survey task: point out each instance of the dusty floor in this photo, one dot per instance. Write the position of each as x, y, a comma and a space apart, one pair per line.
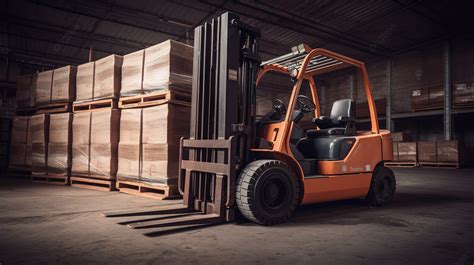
430, 222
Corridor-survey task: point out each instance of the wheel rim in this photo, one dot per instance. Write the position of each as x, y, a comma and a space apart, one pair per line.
274, 193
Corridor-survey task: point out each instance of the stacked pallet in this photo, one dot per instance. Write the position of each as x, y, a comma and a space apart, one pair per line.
98, 84
96, 124
463, 95
39, 132
405, 151
441, 154
56, 90
155, 101
427, 98
20, 147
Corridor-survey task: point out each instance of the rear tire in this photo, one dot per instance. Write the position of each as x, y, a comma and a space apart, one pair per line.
382, 188
267, 192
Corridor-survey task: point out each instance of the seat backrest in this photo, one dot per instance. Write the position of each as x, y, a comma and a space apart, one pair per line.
343, 108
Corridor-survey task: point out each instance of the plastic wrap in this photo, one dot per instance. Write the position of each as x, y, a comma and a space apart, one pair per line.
64, 84
19, 133
23, 91
39, 125
44, 84
132, 73
80, 143
85, 81
103, 162
163, 126
80, 160
165, 123
59, 147
17, 155
129, 146
160, 163
104, 143
59, 161
168, 66
107, 77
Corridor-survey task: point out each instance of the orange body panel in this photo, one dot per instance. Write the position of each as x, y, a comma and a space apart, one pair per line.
338, 187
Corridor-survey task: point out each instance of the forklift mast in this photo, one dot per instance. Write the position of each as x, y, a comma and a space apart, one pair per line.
223, 111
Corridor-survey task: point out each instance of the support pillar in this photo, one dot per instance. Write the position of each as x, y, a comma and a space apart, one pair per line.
447, 119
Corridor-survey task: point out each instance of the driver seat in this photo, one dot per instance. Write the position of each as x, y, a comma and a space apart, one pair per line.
341, 121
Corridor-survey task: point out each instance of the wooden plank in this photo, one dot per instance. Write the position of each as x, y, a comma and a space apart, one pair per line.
439, 165
58, 107
93, 183
87, 106
50, 179
159, 192
156, 98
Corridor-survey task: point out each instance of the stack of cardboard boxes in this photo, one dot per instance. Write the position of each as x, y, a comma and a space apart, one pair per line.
149, 136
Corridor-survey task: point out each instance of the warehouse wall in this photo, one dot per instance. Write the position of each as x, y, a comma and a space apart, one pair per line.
419, 68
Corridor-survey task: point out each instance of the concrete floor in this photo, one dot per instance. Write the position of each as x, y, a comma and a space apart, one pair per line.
430, 222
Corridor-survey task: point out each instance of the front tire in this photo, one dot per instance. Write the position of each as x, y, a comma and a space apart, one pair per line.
382, 188
267, 192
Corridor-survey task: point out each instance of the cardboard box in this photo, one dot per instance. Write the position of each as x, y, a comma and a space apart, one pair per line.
436, 97
165, 123
395, 151
39, 125
81, 124
402, 136
160, 164
64, 84
463, 94
34, 81
129, 164
104, 143
448, 151
407, 151
427, 151
132, 73
80, 160
59, 145
129, 153
107, 77
23, 91
60, 128
103, 160
168, 66
420, 98
19, 133
44, 85
17, 155
59, 158
85, 81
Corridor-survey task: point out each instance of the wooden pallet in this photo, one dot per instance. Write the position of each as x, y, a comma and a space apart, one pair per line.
50, 179
91, 105
159, 192
463, 105
58, 107
93, 183
19, 173
156, 98
452, 165
26, 111
401, 164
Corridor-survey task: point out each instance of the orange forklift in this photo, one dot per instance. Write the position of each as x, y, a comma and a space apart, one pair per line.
234, 164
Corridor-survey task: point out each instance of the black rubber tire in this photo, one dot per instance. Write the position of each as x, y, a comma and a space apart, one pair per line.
382, 187
267, 192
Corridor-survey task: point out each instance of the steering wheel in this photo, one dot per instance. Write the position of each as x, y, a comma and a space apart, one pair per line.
279, 106
305, 104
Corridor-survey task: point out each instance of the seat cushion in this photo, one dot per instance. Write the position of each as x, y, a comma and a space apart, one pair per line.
325, 132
